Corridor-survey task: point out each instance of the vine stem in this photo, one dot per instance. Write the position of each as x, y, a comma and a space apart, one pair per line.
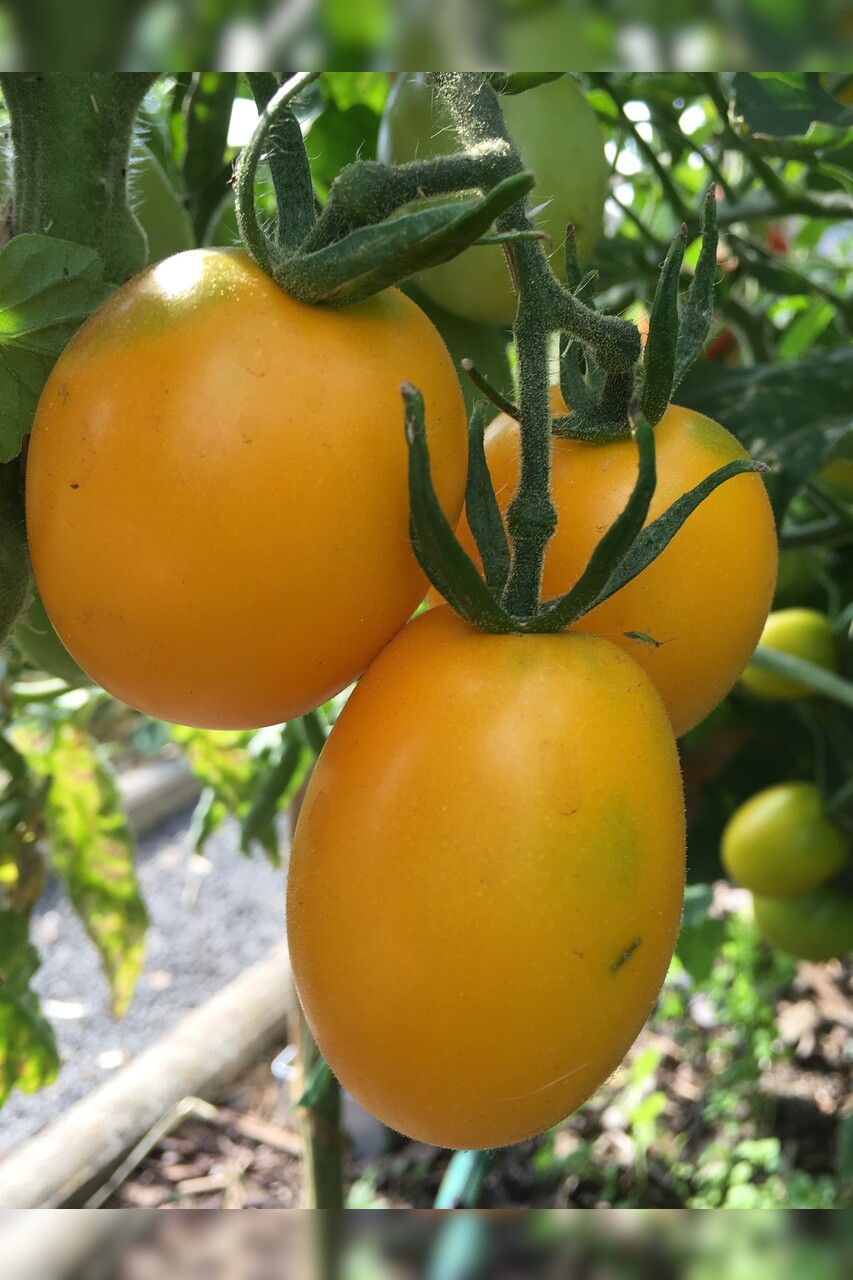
244, 187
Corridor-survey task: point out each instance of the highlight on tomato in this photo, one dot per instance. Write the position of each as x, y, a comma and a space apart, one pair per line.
217, 496
781, 843
801, 633
693, 617
486, 878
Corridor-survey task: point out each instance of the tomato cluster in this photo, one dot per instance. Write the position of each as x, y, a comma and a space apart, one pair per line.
486, 880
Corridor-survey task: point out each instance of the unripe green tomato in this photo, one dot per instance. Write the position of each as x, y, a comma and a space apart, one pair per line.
781, 844
818, 926
802, 633
561, 143
799, 578
41, 646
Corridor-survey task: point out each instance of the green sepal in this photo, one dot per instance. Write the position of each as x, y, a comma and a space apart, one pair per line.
613, 547
661, 344
481, 507
657, 536
443, 559
513, 82
371, 258
698, 310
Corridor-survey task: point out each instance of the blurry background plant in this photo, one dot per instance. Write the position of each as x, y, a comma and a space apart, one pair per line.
778, 372
443, 34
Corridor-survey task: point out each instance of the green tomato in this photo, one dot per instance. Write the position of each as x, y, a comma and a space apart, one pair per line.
818, 926
561, 143
802, 633
801, 576
781, 844
37, 640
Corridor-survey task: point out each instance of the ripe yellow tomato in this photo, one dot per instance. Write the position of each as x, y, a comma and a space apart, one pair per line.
802, 633
693, 618
217, 496
817, 926
780, 843
486, 878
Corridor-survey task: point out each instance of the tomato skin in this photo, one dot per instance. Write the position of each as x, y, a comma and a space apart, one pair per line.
781, 844
561, 143
817, 926
217, 494
802, 633
486, 878
705, 598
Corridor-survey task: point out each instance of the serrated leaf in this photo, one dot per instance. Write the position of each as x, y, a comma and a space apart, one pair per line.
785, 103
47, 289
91, 850
482, 510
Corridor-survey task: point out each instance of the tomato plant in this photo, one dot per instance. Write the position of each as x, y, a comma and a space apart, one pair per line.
817, 926
196, 462
802, 633
781, 843
475, 956
560, 141
693, 617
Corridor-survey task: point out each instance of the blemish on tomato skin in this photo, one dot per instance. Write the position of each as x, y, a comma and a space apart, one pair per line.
625, 956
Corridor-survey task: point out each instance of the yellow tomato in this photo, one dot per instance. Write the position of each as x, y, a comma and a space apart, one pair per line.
217, 493
693, 618
486, 878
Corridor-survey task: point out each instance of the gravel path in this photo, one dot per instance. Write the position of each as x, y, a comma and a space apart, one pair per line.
210, 918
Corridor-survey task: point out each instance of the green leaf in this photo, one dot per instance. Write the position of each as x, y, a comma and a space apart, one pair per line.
273, 786
47, 289
206, 173
91, 849
785, 104
698, 946
793, 416
28, 1055
339, 136
347, 89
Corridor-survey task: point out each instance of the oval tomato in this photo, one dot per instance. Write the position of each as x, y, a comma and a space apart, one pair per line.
486, 878
692, 619
217, 494
802, 633
781, 844
561, 143
818, 926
